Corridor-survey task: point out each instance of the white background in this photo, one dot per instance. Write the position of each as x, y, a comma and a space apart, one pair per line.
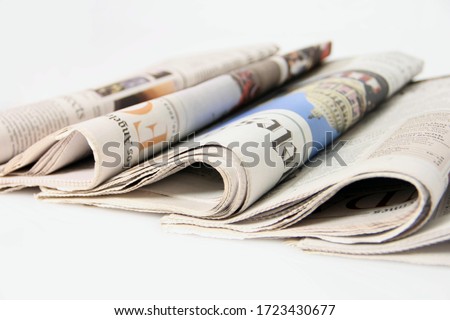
60, 251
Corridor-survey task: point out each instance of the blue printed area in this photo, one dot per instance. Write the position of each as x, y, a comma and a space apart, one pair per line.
297, 103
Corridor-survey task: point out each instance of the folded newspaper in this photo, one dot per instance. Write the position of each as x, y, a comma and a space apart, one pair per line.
21, 127
310, 165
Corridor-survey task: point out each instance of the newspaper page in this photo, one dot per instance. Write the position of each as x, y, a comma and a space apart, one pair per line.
120, 140
387, 204
22, 126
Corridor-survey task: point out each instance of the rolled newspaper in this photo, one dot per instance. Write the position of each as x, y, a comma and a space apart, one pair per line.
22, 126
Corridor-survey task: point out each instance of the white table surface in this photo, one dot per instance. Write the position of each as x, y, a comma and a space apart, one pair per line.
51, 251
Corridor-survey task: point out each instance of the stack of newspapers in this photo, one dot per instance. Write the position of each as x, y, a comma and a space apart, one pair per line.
346, 157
